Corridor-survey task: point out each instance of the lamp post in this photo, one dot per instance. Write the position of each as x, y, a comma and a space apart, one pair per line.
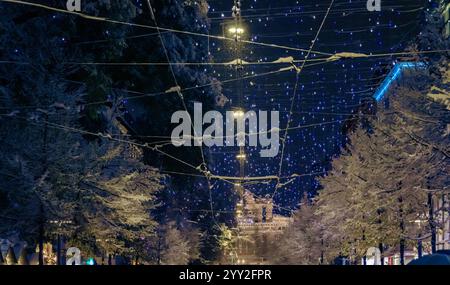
60, 224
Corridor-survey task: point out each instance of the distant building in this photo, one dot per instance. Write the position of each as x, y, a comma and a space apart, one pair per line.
394, 259
257, 228
442, 217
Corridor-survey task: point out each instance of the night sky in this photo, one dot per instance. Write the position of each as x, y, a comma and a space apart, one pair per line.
328, 94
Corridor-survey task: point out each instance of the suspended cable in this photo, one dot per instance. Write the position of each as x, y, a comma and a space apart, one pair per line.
205, 165
280, 169
103, 19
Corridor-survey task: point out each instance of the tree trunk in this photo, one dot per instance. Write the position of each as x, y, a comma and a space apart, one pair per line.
58, 250
431, 222
321, 252
365, 255
41, 234
159, 251
402, 251
380, 247
402, 232
419, 248
41, 206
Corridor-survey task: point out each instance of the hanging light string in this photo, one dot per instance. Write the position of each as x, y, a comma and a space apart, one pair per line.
171, 64
280, 61
280, 169
204, 166
103, 19
167, 92
348, 11
156, 148
122, 141
173, 91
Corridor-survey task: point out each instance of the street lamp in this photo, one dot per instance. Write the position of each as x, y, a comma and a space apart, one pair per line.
234, 30
241, 156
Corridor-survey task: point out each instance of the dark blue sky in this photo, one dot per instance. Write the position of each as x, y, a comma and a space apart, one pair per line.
327, 93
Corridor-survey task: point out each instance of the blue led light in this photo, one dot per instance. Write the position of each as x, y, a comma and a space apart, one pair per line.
90, 261
393, 75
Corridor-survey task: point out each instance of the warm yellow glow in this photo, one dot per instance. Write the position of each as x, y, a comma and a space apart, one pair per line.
236, 30
238, 114
241, 156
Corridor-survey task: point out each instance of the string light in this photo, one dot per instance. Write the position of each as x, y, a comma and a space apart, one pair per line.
328, 94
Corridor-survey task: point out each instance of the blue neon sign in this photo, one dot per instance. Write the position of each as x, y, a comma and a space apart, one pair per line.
393, 75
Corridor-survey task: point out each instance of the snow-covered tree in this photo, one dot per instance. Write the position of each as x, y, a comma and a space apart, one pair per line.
375, 193
378, 187
172, 246
115, 198
53, 172
302, 242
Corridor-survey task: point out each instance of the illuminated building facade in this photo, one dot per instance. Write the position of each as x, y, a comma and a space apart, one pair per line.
257, 228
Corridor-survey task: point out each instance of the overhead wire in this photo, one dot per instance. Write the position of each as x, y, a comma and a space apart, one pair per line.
170, 64
205, 165
280, 169
104, 19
